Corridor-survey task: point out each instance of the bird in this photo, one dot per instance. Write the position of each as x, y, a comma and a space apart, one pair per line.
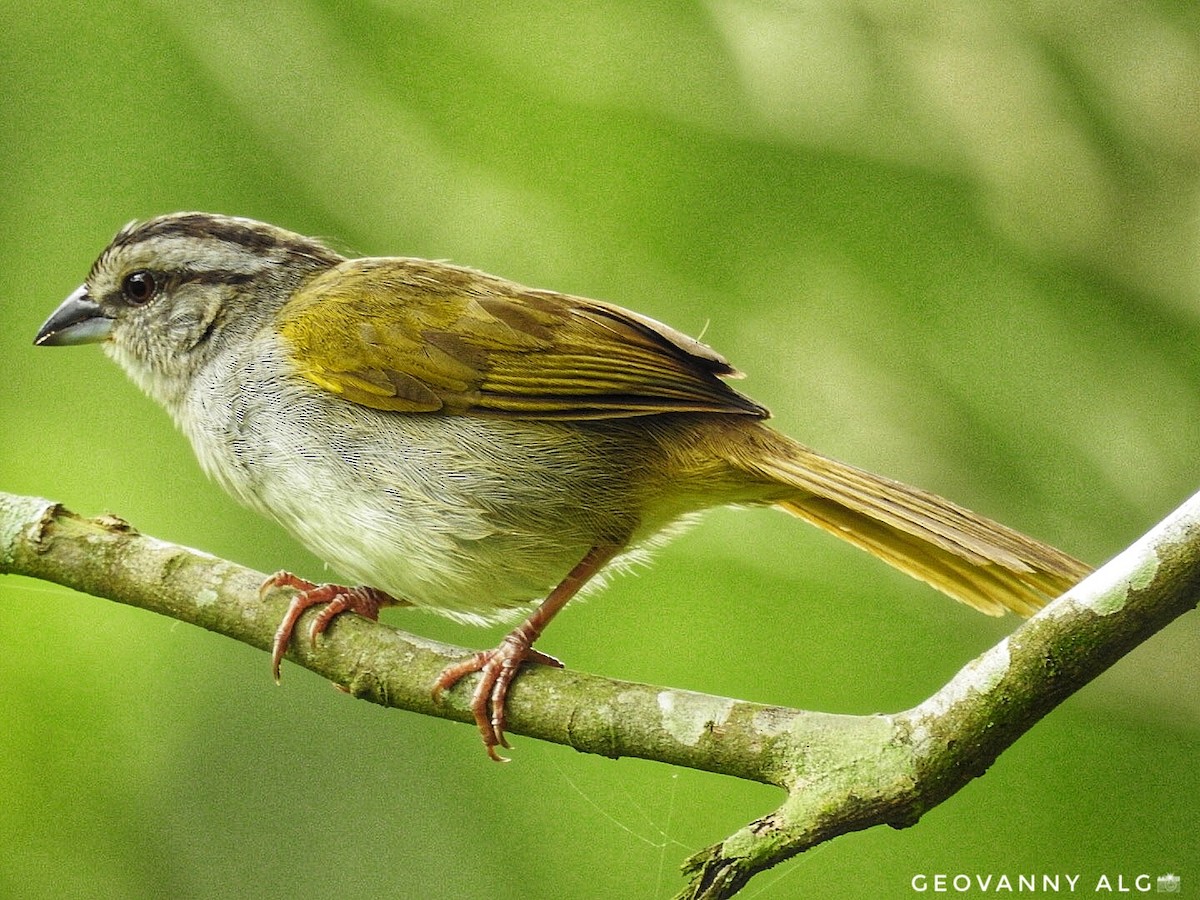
452, 440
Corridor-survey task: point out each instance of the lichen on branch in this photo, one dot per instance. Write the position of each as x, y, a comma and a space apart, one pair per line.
840, 773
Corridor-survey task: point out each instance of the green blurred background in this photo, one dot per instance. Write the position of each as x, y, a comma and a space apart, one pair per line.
952, 242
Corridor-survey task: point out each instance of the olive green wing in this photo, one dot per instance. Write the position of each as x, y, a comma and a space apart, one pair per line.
416, 336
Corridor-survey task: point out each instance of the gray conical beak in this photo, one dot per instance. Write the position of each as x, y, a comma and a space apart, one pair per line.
78, 321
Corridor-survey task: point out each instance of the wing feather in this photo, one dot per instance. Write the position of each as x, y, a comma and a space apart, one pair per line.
416, 336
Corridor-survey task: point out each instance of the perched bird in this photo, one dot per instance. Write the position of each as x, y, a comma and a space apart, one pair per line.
452, 440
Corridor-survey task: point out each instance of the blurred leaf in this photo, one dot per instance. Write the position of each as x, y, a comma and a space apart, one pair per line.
952, 242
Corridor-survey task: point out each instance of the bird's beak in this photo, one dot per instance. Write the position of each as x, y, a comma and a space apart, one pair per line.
78, 321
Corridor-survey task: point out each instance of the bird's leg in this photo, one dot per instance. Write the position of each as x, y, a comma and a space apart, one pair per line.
366, 601
499, 667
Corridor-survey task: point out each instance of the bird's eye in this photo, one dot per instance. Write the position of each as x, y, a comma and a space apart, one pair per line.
139, 287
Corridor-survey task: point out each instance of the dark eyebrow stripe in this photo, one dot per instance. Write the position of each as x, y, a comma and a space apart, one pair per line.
214, 276
205, 227
201, 227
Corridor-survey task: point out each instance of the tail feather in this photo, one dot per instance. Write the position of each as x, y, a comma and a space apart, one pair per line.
974, 560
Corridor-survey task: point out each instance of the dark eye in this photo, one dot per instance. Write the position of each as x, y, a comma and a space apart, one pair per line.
139, 287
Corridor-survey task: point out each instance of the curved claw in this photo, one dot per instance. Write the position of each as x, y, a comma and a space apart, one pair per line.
366, 601
497, 670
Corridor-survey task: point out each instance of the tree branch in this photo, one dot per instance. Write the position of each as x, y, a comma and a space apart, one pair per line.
841, 773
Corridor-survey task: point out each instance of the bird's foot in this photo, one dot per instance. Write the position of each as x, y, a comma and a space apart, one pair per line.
366, 601
497, 670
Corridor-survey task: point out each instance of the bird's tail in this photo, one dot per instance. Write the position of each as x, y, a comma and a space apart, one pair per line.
980, 562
